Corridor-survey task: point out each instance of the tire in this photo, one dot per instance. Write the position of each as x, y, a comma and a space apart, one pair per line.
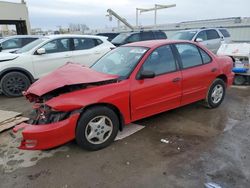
216, 94
239, 80
92, 132
14, 83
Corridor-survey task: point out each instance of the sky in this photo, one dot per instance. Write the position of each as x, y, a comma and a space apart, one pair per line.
49, 14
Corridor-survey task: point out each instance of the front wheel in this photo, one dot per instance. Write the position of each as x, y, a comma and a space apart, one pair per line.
14, 83
216, 94
97, 128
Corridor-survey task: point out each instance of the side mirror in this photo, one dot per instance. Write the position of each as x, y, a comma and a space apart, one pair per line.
41, 51
146, 74
199, 40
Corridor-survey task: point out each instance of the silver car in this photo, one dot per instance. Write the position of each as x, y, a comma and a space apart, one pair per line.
212, 38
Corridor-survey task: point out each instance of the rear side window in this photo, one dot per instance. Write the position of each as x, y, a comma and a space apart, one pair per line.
205, 57
160, 35
85, 43
189, 55
212, 34
160, 61
147, 36
27, 40
224, 32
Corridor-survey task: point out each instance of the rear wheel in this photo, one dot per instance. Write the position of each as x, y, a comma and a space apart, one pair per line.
14, 83
97, 128
216, 93
239, 80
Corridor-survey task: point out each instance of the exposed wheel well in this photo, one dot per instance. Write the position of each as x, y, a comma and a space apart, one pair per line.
114, 108
223, 77
26, 73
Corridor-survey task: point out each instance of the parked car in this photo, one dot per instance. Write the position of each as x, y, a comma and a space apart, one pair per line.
136, 36
110, 36
211, 38
13, 43
127, 84
35, 60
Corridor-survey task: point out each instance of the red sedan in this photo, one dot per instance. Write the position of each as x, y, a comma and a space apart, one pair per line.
127, 84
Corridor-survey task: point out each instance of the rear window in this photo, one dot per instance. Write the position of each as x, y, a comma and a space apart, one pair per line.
224, 32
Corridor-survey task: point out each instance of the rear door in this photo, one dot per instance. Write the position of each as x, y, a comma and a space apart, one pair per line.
58, 53
163, 92
198, 72
213, 40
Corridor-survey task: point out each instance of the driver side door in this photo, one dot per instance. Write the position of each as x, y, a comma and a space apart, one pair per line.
163, 92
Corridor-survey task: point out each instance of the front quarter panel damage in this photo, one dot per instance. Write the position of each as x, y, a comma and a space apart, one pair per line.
116, 94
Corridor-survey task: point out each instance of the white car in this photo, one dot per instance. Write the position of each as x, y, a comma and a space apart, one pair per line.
13, 43
211, 38
35, 60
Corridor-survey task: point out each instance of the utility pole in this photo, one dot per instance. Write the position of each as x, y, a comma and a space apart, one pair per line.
155, 8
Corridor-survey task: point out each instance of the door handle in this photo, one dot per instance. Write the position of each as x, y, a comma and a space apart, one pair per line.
213, 69
176, 80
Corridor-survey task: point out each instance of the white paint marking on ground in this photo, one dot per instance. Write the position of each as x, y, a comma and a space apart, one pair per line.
128, 130
240, 87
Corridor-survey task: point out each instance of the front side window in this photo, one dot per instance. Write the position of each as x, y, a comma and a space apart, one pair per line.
212, 34
134, 38
202, 35
11, 44
86, 43
160, 35
57, 45
184, 35
120, 61
189, 55
160, 61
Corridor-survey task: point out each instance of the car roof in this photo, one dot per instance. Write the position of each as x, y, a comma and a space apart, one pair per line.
156, 43
22, 36
71, 36
201, 29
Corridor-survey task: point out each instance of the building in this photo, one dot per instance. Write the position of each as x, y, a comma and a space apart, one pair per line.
15, 14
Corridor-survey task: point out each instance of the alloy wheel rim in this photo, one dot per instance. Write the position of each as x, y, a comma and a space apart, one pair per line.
15, 85
99, 129
217, 94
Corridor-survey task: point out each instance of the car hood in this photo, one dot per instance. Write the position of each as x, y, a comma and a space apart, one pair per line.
69, 74
4, 56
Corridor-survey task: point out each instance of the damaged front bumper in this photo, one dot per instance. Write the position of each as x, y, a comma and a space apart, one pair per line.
46, 136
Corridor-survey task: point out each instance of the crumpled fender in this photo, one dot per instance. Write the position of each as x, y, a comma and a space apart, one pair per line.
116, 94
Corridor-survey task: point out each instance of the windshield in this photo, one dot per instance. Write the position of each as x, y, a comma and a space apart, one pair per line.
31, 45
120, 61
184, 35
120, 38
